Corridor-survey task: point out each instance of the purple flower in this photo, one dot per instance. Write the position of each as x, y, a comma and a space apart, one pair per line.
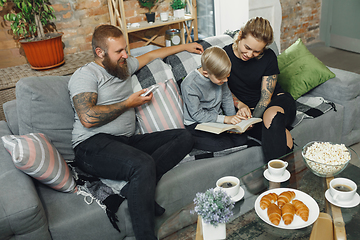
214, 206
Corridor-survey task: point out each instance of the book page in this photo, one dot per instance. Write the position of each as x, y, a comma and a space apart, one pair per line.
217, 128
244, 124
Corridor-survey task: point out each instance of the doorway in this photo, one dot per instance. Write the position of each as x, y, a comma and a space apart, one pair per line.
340, 24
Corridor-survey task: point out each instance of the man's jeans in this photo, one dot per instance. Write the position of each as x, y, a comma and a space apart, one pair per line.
141, 160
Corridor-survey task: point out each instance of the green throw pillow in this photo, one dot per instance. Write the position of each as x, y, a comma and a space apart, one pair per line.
300, 70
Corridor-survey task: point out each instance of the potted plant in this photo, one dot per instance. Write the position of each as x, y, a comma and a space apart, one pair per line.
178, 7
28, 19
215, 209
149, 4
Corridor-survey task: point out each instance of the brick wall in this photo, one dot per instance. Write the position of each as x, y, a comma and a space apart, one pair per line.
77, 19
300, 19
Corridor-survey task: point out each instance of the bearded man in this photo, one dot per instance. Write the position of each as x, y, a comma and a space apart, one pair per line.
103, 134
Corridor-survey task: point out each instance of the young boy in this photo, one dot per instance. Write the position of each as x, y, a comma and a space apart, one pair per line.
207, 98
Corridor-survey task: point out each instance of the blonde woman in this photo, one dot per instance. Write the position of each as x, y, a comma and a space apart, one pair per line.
256, 92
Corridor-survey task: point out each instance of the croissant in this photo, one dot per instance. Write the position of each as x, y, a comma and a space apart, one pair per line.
287, 213
285, 197
274, 213
301, 209
267, 199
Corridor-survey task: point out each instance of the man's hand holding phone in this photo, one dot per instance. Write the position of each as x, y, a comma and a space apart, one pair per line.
149, 90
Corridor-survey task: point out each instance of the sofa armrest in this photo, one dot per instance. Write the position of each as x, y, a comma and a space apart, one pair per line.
342, 88
21, 210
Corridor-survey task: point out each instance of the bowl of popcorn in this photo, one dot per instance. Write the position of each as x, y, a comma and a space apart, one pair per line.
326, 159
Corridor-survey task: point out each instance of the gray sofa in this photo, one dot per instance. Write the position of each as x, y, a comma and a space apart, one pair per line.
31, 210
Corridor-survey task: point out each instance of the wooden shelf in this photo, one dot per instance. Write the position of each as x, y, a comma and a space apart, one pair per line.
117, 18
158, 23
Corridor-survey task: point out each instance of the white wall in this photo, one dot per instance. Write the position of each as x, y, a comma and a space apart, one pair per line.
230, 15
233, 14
271, 10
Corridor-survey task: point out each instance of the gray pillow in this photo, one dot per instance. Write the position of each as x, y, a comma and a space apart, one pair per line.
11, 116
43, 106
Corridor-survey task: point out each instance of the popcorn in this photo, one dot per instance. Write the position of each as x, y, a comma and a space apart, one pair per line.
328, 158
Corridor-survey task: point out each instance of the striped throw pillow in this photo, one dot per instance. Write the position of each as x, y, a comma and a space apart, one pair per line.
164, 111
36, 156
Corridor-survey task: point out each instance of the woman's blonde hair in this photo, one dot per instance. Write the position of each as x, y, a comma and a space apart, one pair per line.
215, 61
259, 28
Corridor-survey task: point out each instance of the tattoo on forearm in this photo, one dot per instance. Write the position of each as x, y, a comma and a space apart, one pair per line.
89, 112
269, 83
262, 104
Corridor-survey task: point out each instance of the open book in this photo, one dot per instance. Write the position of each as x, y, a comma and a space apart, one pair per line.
218, 128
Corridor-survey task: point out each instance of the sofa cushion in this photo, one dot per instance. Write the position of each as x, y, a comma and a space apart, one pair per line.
36, 156
184, 62
344, 87
300, 70
75, 217
11, 116
21, 211
43, 106
326, 128
164, 111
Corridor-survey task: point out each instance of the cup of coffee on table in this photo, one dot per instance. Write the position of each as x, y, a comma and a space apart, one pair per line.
342, 189
229, 184
277, 167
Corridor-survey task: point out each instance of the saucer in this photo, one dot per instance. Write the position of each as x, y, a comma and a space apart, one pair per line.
283, 178
238, 196
349, 204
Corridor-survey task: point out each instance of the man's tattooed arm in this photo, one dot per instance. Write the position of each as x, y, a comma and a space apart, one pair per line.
267, 90
92, 115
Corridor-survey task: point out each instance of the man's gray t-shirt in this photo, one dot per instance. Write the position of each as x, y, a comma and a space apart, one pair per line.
110, 89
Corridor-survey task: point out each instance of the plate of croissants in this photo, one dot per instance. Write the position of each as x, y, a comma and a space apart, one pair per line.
287, 208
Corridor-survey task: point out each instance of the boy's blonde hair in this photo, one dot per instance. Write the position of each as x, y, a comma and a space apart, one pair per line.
215, 61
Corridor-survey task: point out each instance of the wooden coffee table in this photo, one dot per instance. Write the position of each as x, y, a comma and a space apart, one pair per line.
246, 224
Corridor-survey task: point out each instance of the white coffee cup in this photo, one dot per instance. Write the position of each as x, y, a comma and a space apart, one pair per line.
277, 167
342, 189
164, 16
229, 184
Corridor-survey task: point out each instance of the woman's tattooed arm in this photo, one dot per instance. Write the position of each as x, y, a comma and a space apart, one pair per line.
267, 90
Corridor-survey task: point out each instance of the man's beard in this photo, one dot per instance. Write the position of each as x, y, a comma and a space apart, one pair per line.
116, 69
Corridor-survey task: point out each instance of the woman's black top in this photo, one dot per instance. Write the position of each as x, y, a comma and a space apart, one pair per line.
246, 76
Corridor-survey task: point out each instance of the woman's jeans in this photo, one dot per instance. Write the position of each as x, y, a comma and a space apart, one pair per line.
273, 139
141, 160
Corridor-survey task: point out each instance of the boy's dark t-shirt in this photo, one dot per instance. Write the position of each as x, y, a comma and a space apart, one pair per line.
246, 76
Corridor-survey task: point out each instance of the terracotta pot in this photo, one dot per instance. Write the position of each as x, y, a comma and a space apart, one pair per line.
44, 54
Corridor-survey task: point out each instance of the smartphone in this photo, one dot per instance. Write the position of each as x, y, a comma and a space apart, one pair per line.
150, 89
